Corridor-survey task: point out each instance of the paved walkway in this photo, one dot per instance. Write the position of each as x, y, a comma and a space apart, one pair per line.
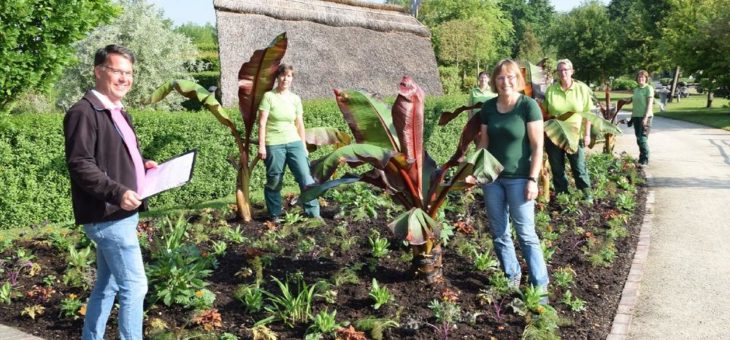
7, 333
685, 287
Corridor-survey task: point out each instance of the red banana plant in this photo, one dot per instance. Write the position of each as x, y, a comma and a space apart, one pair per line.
391, 141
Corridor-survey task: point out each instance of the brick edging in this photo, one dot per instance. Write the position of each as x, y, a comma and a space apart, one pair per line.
630, 294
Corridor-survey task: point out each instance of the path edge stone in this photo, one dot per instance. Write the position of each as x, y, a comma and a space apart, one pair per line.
630, 294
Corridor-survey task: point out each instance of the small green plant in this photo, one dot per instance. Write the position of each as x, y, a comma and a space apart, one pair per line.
306, 245
6, 293
177, 273
376, 326
485, 261
70, 307
219, 248
564, 277
234, 235
378, 245
347, 275
293, 218
500, 282
625, 202
380, 295
291, 307
447, 232
202, 299
324, 323
547, 250
326, 291
447, 313
49, 280
346, 243
227, 336
574, 303
251, 296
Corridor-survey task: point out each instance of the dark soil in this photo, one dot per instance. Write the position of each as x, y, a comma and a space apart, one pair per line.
600, 287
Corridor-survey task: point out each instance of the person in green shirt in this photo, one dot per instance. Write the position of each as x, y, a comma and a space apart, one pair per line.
642, 113
569, 95
481, 93
281, 142
512, 131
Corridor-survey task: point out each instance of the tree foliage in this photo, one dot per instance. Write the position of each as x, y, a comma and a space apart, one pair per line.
161, 53
587, 37
36, 38
638, 31
695, 36
535, 16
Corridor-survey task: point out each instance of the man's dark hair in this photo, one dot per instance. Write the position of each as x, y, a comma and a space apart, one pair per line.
283, 68
103, 53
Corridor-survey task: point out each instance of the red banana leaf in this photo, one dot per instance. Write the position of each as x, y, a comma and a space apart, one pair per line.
369, 119
256, 77
356, 155
408, 121
416, 227
446, 117
320, 136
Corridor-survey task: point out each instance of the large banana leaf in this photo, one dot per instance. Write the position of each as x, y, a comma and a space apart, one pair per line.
369, 119
446, 117
355, 155
319, 136
563, 134
482, 165
313, 191
600, 125
255, 78
408, 121
415, 226
193, 90
470, 131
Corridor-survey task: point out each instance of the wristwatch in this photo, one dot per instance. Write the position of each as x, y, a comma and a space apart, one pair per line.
532, 179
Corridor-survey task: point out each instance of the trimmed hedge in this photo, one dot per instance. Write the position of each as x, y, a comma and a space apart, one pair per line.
35, 178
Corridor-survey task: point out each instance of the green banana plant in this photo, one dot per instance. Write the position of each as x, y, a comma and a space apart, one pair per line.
390, 141
256, 77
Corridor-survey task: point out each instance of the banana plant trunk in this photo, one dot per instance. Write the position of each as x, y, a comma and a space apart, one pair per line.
243, 197
428, 264
610, 143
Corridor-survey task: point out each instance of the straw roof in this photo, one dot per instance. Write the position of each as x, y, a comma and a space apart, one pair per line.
332, 44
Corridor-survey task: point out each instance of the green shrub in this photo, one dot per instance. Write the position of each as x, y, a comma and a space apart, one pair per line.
624, 84
35, 177
450, 79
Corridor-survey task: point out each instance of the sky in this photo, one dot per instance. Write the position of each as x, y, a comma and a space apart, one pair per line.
201, 11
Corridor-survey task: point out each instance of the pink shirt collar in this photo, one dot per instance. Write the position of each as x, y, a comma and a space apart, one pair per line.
106, 101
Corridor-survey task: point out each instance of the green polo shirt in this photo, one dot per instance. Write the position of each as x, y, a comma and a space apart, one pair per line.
640, 100
283, 110
478, 96
576, 99
508, 140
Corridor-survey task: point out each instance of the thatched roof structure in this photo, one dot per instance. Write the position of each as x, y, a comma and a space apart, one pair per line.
332, 44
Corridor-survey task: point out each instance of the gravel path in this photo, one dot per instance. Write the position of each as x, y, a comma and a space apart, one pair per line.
685, 289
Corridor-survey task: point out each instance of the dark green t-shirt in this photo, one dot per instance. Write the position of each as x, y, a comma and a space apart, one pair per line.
508, 140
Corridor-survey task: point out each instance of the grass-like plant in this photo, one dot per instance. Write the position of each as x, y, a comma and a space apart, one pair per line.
347, 276
376, 326
380, 295
219, 248
291, 307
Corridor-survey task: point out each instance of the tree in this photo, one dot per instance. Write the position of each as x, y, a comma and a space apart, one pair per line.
529, 48
533, 15
638, 29
587, 37
36, 38
695, 36
161, 53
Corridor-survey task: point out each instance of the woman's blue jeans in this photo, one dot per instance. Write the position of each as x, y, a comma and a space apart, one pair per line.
505, 198
294, 156
119, 271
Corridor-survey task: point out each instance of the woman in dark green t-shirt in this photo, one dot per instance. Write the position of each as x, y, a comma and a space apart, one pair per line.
512, 131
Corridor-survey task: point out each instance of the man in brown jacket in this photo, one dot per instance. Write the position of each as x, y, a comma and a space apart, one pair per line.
107, 173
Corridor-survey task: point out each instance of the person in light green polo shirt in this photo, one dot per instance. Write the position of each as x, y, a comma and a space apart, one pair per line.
281, 142
642, 112
481, 93
569, 95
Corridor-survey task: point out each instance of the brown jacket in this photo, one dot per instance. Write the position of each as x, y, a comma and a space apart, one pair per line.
99, 165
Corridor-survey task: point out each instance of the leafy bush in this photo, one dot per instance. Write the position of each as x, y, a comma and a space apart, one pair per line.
450, 79
36, 40
624, 84
161, 53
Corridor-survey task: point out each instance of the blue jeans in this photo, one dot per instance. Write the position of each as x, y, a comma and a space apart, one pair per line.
119, 270
505, 198
293, 155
